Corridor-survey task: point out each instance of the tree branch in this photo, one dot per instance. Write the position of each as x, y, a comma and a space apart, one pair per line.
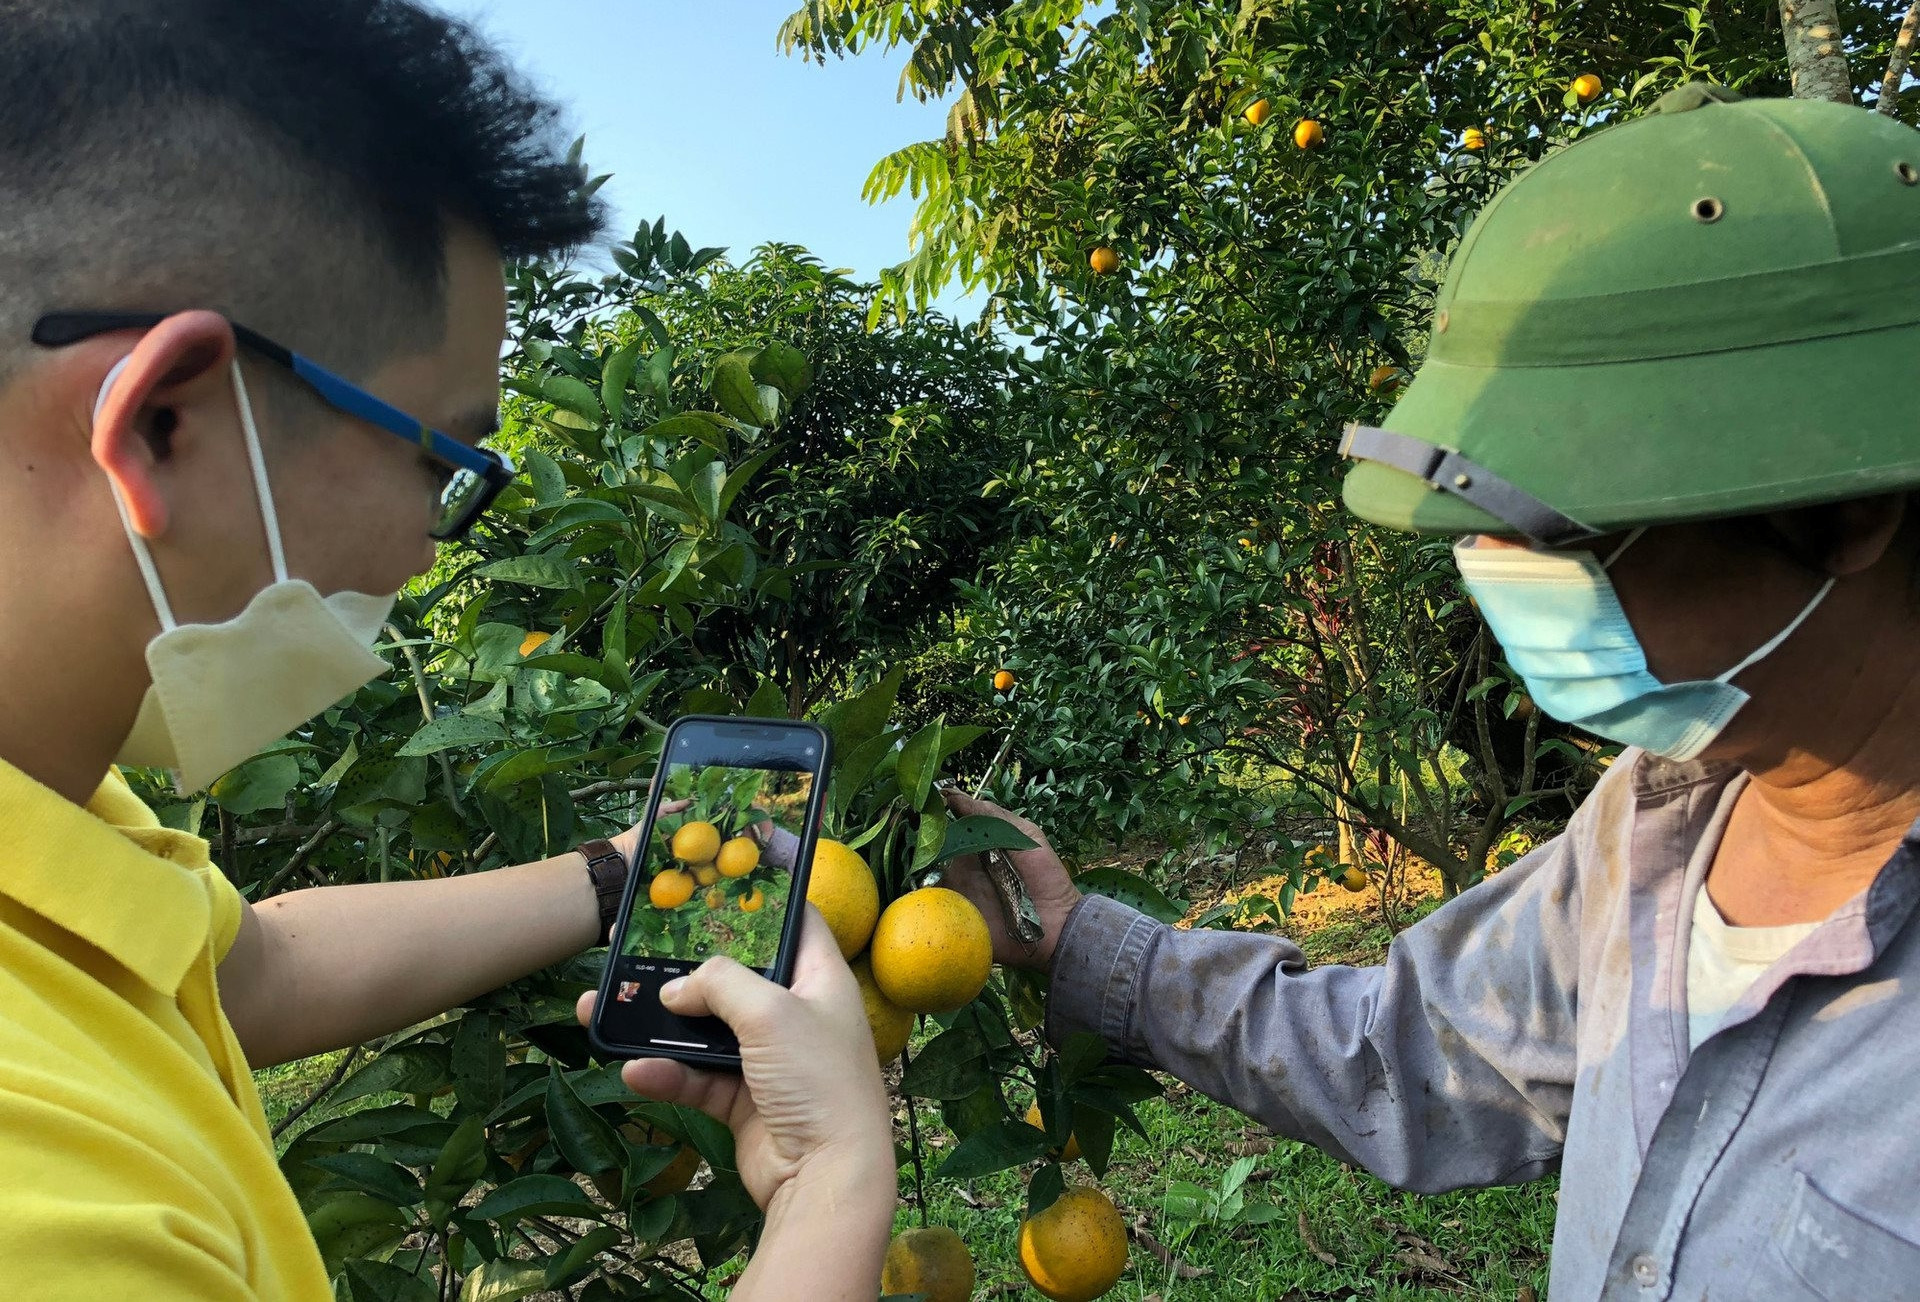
326, 1088
1889, 101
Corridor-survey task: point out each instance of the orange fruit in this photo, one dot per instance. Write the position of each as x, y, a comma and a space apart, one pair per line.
1104, 261
841, 886
1474, 139
1309, 134
1003, 681
670, 889
1075, 1250
696, 842
1587, 87
1185, 720
716, 899
932, 1262
891, 1024
932, 952
1354, 879
705, 874
1382, 378
753, 901
738, 857
1258, 111
1067, 1154
533, 642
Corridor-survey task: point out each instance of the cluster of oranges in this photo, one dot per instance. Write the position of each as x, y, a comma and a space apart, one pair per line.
930, 952
703, 859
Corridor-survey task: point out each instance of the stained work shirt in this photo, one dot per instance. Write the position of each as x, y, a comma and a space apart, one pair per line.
135, 1160
1539, 1022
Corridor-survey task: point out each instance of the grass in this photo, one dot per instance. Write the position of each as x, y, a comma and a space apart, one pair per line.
1340, 1233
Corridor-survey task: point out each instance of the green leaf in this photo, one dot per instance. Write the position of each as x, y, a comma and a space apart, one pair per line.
354, 1225
257, 785
865, 716
479, 1061
543, 472
733, 388
699, 425
534, 1195
920, 763
994, 1148
584, 1139
504, 1280
952, 1066
381, 1281
452, 730
462, 1158
534, 571
408, 1069
577, 1260
370, 1174
785, 367
616, 376
767, 702
978, 832
1130, 889
375, 1123
572, 395
1048, 1183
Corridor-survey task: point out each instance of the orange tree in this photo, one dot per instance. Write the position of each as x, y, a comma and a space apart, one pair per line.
532, 668
1202, 638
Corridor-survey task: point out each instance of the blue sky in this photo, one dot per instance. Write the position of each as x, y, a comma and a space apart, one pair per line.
699, 117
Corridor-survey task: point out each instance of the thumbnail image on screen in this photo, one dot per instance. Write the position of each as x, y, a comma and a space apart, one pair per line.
718, 871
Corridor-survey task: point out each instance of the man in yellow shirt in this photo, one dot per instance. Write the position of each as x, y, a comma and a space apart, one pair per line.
197, 198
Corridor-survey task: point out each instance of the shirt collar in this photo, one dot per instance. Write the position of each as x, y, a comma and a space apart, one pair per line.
107, 872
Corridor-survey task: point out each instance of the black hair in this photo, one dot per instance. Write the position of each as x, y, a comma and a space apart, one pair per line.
293, 163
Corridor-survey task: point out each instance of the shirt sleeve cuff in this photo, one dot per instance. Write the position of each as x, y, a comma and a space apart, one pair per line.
783, 849
1099, 969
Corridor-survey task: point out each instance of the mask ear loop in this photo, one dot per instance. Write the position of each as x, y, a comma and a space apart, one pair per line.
268, 516
1619, 551
142, 557
1773, 644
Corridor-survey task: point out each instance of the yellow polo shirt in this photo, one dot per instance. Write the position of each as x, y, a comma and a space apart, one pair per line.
135, 1160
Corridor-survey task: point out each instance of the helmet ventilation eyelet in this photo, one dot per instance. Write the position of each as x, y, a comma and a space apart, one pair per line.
1707, 210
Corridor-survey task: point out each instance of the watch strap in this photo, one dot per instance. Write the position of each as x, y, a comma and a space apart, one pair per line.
607, 870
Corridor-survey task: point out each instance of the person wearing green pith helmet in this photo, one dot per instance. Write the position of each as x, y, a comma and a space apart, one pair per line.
1664, 412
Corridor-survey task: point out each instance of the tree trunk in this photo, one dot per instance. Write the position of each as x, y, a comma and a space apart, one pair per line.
1814, 52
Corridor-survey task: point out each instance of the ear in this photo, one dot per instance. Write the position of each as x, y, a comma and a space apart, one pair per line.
1843, 538
177, 378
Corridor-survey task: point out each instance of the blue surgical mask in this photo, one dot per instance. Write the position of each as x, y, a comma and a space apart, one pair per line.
1566, 635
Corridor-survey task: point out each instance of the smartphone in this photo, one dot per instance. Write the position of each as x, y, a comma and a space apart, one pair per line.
727, 841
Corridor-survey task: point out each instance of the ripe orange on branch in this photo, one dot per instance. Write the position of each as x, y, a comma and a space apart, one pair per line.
1258, 112
1072, 1149
1075, 1250
1003, 681
1104, 261
533, 642
1309, 134
670, 889
932, 1262
1587, 87
753, 901
892, 1025
842, 888
696, 842
738, 857
1384, 378
932, 952
1473, 139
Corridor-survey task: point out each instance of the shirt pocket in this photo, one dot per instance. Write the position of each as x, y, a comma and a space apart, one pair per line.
1835, 1254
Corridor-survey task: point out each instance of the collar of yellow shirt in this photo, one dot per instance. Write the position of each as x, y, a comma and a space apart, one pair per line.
107, 872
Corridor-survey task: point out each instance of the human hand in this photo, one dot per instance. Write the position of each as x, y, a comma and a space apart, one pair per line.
1048, 885
628, 842
808, 1111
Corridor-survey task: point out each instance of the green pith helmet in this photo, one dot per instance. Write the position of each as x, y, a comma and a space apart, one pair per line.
1710, 310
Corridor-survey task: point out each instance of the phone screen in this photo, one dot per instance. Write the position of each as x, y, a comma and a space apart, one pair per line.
716, 876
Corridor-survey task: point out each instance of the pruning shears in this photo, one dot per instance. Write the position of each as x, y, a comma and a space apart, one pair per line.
1022, 918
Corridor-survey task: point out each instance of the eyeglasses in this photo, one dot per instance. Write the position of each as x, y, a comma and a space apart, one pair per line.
478, 474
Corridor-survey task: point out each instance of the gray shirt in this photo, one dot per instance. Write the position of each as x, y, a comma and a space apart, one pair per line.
1539, 1022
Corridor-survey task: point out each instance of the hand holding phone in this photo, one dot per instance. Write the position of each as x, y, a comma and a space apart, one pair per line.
808, 1107
720, 867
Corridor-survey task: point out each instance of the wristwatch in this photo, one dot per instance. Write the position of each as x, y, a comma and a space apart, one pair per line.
607, 869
